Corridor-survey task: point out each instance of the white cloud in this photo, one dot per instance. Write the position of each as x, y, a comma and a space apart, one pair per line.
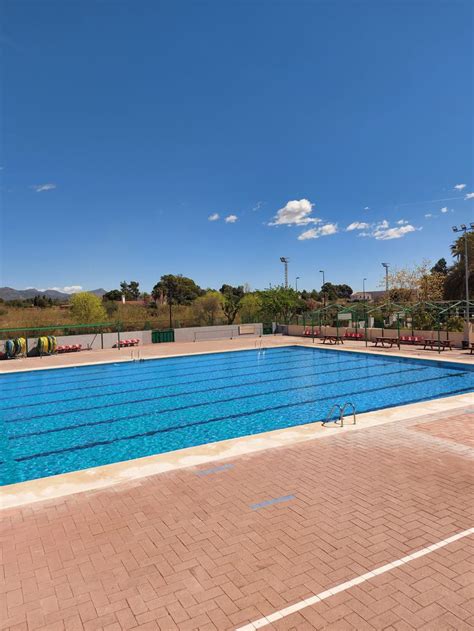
357, 225
321, 231
444, 210
295, 213
258, 205
386, 233
69, 289
231, 219
382, 231
213, 217
428, 215
460, 187
367, 208
469, 196
40, 188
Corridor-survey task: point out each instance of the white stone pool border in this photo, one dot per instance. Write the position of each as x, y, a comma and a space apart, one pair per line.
105, 476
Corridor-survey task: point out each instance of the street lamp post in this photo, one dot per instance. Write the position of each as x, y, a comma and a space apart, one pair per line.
285, 260
463, 228
386, 265
296, 282
321, 271
363, 288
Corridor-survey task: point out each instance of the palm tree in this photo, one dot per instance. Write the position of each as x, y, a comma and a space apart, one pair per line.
454, 286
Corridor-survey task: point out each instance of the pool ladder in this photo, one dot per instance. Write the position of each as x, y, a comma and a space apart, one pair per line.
342, 409
259, 346
138, 358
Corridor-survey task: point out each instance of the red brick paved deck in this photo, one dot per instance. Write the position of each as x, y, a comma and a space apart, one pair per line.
186, 551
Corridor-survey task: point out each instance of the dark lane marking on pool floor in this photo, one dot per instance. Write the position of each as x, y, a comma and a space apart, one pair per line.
183, 383
196, 405
157, 366
115, 382
192, 392
282, 406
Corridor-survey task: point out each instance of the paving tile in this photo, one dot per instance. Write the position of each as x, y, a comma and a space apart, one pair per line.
182, 551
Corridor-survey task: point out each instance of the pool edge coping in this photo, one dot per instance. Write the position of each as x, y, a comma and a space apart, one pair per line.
293, 341
109, 475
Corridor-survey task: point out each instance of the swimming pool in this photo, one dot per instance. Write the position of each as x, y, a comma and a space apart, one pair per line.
55, 421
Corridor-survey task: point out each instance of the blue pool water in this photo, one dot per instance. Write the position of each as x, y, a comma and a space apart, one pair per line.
62, 420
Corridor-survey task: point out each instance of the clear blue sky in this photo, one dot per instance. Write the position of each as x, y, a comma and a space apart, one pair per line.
126, 125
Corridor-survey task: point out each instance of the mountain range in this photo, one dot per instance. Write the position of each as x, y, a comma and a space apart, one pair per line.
8, 293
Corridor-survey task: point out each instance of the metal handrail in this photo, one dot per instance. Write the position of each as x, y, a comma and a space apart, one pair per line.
346, 404
341, 413
328, 417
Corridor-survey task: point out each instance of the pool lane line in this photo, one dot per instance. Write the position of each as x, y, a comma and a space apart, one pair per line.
154, 373
158, 366
342, 587
183, 383
218, 469
189, 406
19, 419
166, 430
271, 502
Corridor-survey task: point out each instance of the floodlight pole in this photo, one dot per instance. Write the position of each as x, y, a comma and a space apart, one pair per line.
285, 260
363, 288
321, 271
386, 265
463, 228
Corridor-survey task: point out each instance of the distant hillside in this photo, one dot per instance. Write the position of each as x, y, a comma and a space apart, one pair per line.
8, 293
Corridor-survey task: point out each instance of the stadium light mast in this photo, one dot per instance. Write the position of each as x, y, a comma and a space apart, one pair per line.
285, 260
463, 228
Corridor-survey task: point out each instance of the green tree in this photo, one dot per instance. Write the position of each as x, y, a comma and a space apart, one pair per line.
280, 304
111, 308
441, 267
42, 301
344, 291
87, 308
232, 297
178, 289
113, 295
454, 287
208, 307
328, 291
250, 307
130, 290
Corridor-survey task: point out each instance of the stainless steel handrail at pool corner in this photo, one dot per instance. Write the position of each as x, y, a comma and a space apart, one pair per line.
346, 404
341, 413
328, 417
